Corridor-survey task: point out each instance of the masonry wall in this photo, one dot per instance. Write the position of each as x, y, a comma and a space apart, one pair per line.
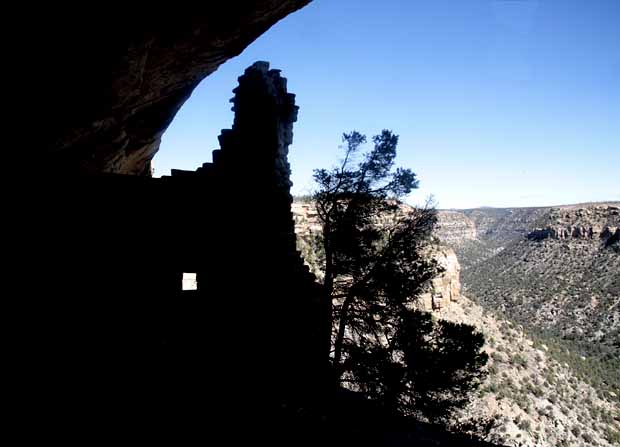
106, 330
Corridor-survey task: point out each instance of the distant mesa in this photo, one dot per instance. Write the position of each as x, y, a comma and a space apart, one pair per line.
596, 222
574, 233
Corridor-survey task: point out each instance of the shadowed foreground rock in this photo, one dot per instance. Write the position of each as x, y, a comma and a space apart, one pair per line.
107, 336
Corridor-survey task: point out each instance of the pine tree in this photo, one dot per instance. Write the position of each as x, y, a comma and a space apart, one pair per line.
376, 264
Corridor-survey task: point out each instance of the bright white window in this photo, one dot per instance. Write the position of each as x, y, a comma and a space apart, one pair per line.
189, 281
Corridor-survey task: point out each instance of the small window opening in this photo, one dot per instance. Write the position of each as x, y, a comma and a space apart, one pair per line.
189, 281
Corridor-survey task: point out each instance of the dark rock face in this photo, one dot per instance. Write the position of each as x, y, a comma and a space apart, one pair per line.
107, 329
612, 239
115, 77
240, 268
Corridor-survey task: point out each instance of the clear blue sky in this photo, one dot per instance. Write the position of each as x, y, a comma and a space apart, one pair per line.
497, 103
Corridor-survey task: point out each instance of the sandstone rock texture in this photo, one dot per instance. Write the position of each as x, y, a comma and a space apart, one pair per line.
454, 227
596, 222
443, 290
573, 232
446, 287
306, 219
115, 77
502, 225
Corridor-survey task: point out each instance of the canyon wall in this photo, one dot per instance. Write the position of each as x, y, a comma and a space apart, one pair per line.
446, 287
454, 227
574, 232
442, 290
593, 222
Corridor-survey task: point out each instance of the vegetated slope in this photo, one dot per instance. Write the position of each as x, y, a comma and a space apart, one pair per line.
561, 280
535, 391
534, 399
502, 225
478, 234
571, 287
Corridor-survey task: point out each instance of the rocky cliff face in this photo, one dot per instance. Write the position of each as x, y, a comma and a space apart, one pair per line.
502, 225
587, 214
540, 391
573, 232
596, 222
443, 290
558, 279
454, 227
446, 287
306, 219
115, 77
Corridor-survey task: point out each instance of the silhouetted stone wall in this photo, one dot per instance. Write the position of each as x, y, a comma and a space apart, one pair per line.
256, 272
106, 328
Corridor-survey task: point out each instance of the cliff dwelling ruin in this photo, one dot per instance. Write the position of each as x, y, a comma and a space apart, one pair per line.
114, 334
107, 333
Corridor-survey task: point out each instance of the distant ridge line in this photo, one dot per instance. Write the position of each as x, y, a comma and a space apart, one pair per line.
574, 205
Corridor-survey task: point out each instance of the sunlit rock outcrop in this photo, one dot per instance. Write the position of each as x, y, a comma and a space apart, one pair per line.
442, 290
454, 227
446, 287
595, 222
